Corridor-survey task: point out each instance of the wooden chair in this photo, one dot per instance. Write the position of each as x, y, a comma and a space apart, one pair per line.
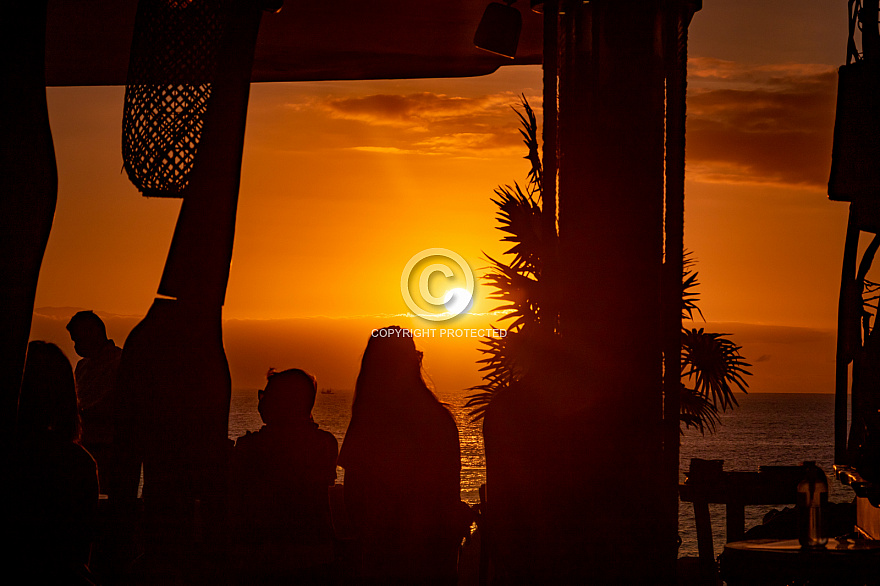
707, 482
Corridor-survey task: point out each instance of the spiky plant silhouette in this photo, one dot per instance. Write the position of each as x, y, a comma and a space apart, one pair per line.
712, 368
520, 284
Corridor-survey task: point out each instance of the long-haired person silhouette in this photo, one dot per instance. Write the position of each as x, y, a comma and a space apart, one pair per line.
52, 488
402, 464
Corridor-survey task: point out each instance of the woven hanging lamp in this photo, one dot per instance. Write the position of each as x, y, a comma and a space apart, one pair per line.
171, 69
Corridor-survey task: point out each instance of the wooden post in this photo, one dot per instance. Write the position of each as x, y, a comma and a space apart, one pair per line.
677, 18
174, 384
611, 180
28, 188
845, 336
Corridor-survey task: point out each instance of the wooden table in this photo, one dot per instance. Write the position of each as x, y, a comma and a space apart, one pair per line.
773, 561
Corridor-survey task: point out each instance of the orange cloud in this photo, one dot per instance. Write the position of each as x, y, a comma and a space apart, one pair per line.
416, 110
769, 124
428, 123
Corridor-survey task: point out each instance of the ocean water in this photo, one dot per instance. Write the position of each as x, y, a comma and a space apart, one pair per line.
766, 429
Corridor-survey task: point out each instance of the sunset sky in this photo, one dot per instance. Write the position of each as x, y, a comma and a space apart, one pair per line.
343, 182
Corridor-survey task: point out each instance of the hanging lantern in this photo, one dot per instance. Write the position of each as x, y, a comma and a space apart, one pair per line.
855, 155
499, 30
172, 65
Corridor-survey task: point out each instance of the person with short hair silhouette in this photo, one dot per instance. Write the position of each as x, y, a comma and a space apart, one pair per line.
95, 377
402, 464
51, 493
280, 476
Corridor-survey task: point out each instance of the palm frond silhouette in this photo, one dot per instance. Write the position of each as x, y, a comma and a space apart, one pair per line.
712, 368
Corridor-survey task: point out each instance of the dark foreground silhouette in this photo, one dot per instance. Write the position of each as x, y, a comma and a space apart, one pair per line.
402, 464
267, 517
51, 493
95, 377
173, 390
281, 529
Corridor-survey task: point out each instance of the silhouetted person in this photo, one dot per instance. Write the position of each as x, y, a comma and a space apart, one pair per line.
95, 377
51, 492
279, 480
402, 468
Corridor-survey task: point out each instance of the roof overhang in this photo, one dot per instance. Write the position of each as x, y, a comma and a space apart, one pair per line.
87, 43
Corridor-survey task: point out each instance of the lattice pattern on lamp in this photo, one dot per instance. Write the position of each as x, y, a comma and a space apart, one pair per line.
172, 65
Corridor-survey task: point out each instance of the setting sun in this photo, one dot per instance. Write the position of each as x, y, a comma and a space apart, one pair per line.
457, 301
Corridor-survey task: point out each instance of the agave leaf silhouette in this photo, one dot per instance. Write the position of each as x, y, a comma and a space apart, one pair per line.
504, 362
518, 281
711, 362
697, 411
529, 132
715, 366
689, 283
519, 217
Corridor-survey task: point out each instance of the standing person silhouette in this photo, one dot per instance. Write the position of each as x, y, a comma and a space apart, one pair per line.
278, 486
50, 491
402, 464
95, 377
